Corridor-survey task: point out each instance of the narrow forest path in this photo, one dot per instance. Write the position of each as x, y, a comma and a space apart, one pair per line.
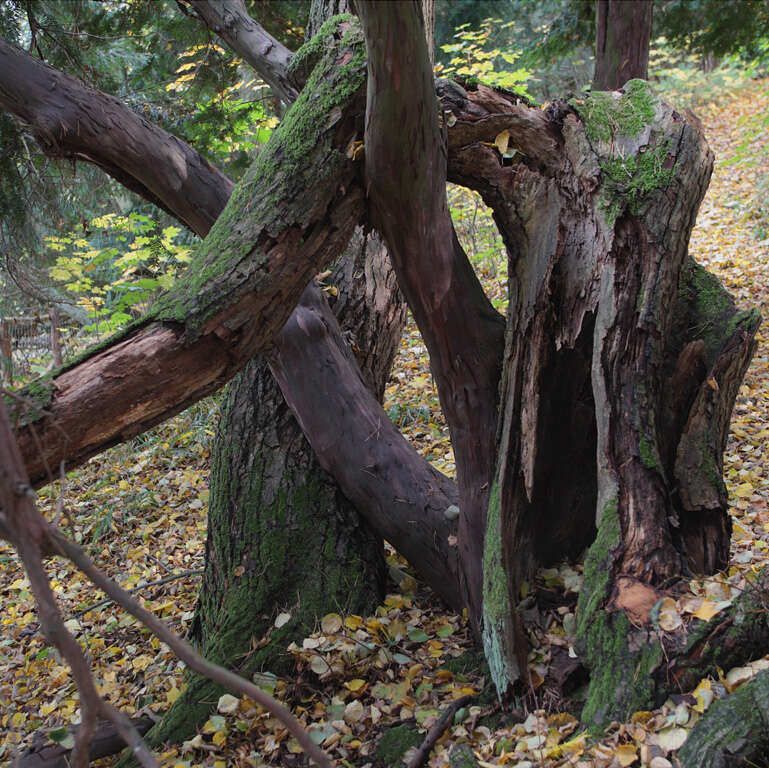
140, 510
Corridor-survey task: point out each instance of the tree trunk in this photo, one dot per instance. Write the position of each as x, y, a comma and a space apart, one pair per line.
406, 184
282, 537
623, 32
617, 346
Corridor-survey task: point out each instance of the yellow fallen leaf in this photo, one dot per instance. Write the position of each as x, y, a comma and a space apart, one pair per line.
330, 623
353, 622
704, 696
502, 141
744, 491
626, 754
219, 738
355, 685
706, 611
669, 618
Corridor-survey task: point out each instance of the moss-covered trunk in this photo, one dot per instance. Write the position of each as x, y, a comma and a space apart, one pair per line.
282, 538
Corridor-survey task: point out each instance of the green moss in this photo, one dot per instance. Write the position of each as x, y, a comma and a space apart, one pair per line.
620, 676
648, 452
597, 570
705, 310
298, 168
462, 756
606, 115
394, 743
497, 602
627, 179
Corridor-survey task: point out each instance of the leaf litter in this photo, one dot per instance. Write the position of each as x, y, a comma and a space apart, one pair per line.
140, 509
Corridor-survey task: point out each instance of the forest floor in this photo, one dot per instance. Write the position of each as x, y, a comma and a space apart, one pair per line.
140, 511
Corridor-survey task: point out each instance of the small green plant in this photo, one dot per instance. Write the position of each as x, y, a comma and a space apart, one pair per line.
117, 265
474, 58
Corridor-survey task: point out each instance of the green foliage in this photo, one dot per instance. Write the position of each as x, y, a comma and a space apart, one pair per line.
680, 79
718, 27
474, 56
117, 265
476, 230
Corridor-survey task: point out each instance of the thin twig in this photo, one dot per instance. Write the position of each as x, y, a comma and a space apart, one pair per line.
184, 651
32, 534
164, 580
443, 722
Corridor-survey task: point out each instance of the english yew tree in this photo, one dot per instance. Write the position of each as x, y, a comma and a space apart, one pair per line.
592, 416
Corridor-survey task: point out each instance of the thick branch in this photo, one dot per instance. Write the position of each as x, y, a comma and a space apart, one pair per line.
292, 213
406, 183
70, 120
403, 498
268, 56
69, 434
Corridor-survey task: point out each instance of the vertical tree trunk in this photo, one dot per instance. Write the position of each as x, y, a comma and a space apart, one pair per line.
281, 536
6, 359
623, 31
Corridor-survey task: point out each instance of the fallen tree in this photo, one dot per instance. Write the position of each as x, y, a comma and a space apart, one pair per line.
617, 346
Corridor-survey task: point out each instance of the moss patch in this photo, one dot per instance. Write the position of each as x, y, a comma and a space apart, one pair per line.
628, 178
497, 604
619, 659
620, 674
288, 185
394, 743
606, 115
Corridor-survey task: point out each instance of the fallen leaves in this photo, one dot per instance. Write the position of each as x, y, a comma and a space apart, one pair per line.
141, 509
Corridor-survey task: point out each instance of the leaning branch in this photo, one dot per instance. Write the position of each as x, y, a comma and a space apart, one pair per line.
268, 56
292, 213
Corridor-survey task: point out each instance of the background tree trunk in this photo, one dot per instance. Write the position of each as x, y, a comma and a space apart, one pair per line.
622, 35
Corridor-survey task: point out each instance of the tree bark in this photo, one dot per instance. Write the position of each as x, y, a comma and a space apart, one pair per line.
406, 184
269, 57
622, 35
440, 493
